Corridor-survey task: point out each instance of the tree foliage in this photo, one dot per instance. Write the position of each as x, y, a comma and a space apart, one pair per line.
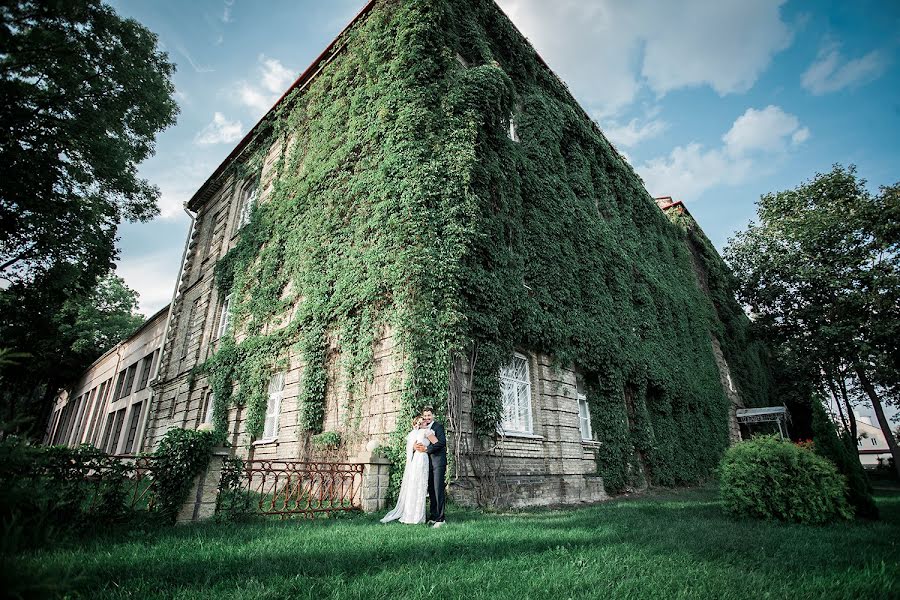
83, 93
60, 342
821, 274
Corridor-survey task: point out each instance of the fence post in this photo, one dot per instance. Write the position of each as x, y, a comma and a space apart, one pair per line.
201, 501
376, 479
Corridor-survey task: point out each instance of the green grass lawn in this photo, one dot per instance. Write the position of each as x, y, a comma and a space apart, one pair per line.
668, 545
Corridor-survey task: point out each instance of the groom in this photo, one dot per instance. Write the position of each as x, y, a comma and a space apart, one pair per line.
437, 462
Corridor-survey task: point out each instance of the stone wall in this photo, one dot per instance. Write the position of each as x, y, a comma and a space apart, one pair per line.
552, 466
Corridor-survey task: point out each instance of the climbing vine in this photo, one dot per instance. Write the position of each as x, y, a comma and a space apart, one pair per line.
398, 200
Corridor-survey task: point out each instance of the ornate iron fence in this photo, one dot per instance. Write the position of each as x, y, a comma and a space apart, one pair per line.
290, 488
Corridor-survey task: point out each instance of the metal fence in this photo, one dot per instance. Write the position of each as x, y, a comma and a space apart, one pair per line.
136, 476
290, 488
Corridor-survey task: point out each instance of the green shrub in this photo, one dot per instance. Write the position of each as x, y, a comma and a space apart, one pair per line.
181, 456
767, 478
326, 440
50, 492
840, 449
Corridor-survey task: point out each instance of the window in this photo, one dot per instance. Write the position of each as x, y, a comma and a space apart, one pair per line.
84, 418
874, 441
107, 432
102, 396
210, 403
513, 133
132, 427
584, 418
515, 392
129, 380
224, 317
146, 365
584, 410
116, 432
273, 407
119, 383
248, 201
189, 328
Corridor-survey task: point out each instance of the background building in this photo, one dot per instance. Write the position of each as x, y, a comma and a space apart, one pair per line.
108, 406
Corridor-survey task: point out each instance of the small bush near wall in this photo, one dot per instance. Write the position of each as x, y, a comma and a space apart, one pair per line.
51, 493
767, 478
46, 493
182, 455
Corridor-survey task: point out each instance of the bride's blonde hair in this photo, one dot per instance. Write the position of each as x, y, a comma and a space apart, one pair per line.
416, 420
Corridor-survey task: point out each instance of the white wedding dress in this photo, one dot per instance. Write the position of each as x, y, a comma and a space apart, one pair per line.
410, 507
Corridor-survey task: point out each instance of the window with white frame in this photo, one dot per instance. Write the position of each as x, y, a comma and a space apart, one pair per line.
584, 410
208, 413
224, 316
513, 133
584, 418
248, 201
515, 392
273, 407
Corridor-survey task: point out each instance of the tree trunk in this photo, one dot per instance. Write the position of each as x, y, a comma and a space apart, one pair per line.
837, 402
879, 412
850, 414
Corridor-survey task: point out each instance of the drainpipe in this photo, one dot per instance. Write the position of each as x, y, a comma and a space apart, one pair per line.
162, 344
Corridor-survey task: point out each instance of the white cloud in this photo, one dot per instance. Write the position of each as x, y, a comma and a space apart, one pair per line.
226, 12
608, 51
801, 135
633, 132
751, 146
830, 72
765, 130
725, 45
220, 131
273, 79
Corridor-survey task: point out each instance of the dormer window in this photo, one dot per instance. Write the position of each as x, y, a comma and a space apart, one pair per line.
248, 202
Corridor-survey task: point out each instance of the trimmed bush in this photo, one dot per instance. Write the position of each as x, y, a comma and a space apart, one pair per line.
767, 478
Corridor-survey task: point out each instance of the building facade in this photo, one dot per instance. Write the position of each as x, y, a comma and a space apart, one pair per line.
108, 406
872, 447
427, 217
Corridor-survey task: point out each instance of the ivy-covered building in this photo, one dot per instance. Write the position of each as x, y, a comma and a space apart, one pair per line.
428, 217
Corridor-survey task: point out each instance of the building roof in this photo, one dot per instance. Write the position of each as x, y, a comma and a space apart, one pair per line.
754, 412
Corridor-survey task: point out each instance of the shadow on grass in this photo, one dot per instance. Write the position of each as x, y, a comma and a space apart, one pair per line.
683, 527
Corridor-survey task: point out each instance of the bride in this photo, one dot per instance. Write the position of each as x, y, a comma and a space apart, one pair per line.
410, 507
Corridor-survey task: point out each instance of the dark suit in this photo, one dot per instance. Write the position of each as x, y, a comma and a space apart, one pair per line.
437, 461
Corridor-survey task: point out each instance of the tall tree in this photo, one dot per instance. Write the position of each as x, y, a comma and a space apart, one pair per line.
821, 274
83, 93
58, 343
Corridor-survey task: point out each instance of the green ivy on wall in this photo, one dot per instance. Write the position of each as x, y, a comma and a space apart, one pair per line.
399, 200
